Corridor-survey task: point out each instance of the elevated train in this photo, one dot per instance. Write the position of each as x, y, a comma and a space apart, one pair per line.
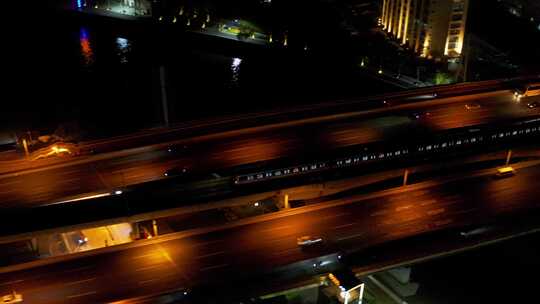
448, 142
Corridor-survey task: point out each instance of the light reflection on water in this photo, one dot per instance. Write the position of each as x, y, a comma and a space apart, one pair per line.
86, 47
124, 47
235, 69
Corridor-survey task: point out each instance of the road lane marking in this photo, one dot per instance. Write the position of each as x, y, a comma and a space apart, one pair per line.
381, 212
214, 267
428, 202
81, 281
403, 208
465, 211
276, 228
82, 294
9, 190
207, 243
333, 215
79, 268
148, 281
11, 282
344, 225
145, 255
148, 267
287, 251
436, 211
351, 236
210, 254
443, 222
16, 181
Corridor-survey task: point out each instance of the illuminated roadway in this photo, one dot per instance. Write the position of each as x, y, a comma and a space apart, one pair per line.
222, 255
215, 152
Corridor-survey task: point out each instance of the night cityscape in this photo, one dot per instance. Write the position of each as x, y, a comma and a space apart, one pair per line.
271, 152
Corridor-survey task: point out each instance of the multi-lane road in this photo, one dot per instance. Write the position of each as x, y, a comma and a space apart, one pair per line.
222, 254
98, 173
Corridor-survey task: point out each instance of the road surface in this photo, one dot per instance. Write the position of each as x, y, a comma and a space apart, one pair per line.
243, 250
91, 174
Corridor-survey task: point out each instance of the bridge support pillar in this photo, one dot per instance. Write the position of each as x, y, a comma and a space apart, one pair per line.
135, 231
154, 227
283, 200
405, 177
508, 156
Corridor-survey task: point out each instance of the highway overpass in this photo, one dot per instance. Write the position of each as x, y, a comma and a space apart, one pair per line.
247, 249
386, 135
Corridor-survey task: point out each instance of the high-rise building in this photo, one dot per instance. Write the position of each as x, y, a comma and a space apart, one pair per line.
433, 28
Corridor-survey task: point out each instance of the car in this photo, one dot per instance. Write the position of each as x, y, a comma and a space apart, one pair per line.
78, 238
386, 103
505, 172
476, 231
472, 106
177, 149
419, 115
12, 298
176, 171
308, 240
532, 105
321, 263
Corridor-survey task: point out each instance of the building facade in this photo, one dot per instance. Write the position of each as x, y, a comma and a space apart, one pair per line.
432, 28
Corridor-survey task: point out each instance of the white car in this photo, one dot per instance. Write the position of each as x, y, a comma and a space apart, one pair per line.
472, 106
308, 240
12, 298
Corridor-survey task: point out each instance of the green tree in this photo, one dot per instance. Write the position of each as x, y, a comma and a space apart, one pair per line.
443, 78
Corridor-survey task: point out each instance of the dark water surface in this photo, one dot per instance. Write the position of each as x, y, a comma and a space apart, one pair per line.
104, 76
